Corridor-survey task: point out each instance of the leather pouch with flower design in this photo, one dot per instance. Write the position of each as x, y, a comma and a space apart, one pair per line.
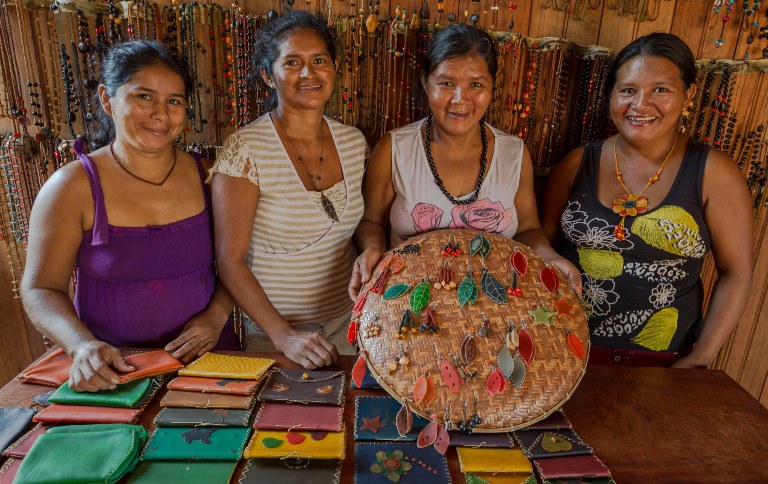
402, 462
307, 445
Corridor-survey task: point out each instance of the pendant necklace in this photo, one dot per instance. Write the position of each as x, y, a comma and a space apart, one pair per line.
325, 202
633, 203
125, 168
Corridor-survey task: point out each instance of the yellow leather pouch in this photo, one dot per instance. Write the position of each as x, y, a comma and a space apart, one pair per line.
214, 365
307, 445
499, 478
493, 460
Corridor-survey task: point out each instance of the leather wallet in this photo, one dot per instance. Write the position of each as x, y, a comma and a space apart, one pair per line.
196, 443
8, 470
540, 444
476, 439
203, 417
214, 385
404, 462
155, 472
555, 421
127, 395
290, 471
214, 365
499, 478
493, 460
292, 416
305, 445
13, 422
21, 447
376, 419
571, 467
150, 363
324, 387
86, 414
51, 370
581, 480
77, 453
205, 400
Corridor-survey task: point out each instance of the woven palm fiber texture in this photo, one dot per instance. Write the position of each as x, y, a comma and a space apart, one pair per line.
547, 366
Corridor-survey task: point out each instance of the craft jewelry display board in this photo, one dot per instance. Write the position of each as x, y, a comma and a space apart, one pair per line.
473, 329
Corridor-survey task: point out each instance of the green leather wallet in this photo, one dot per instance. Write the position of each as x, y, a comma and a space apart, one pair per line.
186, 472
83, 454
127, 395
196, 443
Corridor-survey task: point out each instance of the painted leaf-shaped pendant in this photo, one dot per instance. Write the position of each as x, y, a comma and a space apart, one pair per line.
479, 245
358, 371
443, 440
397, 263
467, 292
420, 296
469, 349
328, 208
428, 435
424, 391
549, 279
574, 343
506, 363
495, 382
526, 348
395, 291
404, 420
450, 376
492, 287
352, 332
518, 373
519, 263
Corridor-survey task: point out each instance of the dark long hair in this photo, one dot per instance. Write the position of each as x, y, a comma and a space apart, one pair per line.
458, 40
668, 46
120, 64
275, 32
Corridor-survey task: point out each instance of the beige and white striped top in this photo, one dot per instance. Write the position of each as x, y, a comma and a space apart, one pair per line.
300, 257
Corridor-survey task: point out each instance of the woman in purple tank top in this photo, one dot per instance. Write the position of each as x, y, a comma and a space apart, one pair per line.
134, 219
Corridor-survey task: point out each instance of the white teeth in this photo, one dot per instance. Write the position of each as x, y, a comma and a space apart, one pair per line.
641, 119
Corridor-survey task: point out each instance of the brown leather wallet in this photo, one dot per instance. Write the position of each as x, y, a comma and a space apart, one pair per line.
52, 370
214, 385
86, 414
150, 363
176, 398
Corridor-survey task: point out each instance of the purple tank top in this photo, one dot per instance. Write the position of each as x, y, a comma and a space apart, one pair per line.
138, 286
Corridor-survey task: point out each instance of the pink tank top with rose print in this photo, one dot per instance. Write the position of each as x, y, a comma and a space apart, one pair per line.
420, 206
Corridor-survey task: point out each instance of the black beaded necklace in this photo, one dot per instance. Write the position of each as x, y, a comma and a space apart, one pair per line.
438, 181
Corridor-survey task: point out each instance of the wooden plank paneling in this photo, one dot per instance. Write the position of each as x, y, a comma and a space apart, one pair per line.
688, 23
583, 26
546, 22
621, 31
662, 23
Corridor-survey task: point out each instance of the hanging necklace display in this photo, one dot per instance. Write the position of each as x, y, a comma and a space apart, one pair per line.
316, 177
631, 204
121, 164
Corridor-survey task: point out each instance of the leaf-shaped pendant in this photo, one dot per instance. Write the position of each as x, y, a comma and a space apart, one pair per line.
424, 391
574, 343
492, 287
358, 371
443, 440
549, 278
479, 245
404, 420
495, 382
327, 205
506, 363
352, 332
428, 435
450, 376
469, 349
395, 291
397, 263
518, 373
420, 296
360, 303
526, 348
467, 292
519, 262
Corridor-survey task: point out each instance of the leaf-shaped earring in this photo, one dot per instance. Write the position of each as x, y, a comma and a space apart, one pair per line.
480, 245
436, 434
549, 278
526, 348
395, 291
424, 390
449, 373
574, 342
358, 371
420, 296
467, 292
492, 287
354, 325
404, 419
518, 372
397, 263
468, 349
496, 382
519, 262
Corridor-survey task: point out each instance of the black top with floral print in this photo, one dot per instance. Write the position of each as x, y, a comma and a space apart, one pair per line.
643, 292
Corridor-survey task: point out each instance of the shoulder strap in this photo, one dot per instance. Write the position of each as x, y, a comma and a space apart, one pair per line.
100, 228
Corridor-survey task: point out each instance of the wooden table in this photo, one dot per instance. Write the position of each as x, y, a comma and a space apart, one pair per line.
646, 424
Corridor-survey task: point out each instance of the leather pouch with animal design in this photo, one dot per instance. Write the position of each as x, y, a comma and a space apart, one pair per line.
196, 443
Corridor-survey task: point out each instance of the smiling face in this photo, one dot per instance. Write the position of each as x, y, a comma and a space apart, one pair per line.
149, 110
459, 92
648, 98
303, 72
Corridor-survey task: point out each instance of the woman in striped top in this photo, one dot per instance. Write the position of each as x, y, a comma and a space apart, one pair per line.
287, 198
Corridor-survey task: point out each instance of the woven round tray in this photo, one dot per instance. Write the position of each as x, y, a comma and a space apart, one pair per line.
544, 306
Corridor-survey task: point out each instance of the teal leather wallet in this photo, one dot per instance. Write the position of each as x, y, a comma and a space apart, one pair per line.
196, 443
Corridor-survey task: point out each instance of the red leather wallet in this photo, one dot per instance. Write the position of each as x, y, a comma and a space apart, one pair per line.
8, 470
52, 370
292, 416
86, 414
150, 363
571, 467
214, 385
21, 447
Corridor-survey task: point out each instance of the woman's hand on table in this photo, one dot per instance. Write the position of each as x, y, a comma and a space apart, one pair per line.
362, 270
690, 362
570, 271
93, 367
199, 335
309, 349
